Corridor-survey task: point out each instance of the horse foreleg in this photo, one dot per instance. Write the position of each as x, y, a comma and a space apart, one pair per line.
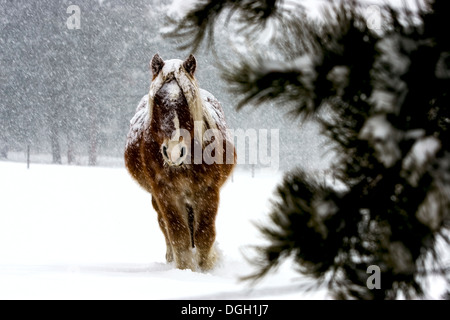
162, 225
178, 234
205, 231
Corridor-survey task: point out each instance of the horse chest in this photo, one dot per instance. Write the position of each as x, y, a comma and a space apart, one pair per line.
174, 179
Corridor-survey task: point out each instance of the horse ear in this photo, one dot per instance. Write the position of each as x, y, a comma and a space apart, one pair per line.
190, 64
156, 64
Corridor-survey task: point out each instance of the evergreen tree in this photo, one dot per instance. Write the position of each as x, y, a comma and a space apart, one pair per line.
381, 96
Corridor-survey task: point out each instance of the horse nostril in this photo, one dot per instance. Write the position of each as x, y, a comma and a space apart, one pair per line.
183, 151
164, 149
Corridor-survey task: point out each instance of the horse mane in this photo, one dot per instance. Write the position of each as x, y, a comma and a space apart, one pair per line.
189, 86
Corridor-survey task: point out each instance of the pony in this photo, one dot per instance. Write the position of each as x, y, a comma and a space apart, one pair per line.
178, 149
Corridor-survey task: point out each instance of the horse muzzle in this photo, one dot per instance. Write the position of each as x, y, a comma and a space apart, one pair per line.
174, 153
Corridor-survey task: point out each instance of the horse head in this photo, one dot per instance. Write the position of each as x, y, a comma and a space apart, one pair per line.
174, 103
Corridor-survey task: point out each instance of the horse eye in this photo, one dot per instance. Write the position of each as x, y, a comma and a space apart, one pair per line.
183, 150
165, 151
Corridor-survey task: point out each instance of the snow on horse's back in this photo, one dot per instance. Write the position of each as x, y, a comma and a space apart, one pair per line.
179, 151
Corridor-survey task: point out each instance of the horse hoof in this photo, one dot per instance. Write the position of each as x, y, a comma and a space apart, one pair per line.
210, 262
169, 258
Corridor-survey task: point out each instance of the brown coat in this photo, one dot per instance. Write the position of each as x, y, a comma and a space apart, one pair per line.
184, 173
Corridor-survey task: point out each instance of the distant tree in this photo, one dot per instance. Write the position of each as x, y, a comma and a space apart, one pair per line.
69, 90
382, 98
19, 98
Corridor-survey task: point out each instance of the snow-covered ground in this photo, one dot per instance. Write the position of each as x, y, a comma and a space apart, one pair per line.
70, 232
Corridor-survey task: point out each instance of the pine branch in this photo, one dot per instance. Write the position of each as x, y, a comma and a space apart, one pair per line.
312, 221
258, 82
198, 24
388, 119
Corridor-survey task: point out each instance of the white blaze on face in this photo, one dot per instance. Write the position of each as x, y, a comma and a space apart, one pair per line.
176, 125
175, 150
173, 90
